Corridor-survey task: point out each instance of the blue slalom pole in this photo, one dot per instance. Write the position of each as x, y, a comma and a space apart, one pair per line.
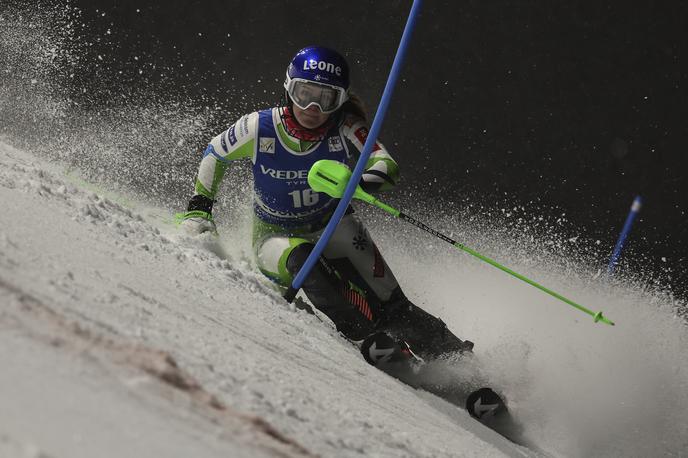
635, 209
365, 154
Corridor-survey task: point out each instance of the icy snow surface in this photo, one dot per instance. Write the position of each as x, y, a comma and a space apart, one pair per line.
121, 338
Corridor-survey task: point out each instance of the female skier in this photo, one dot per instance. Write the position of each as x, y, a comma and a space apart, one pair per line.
351, 283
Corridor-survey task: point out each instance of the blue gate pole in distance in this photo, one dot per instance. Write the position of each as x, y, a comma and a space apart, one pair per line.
635, 209
365, 154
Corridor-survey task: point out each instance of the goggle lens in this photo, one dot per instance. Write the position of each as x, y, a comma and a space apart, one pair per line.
307, 93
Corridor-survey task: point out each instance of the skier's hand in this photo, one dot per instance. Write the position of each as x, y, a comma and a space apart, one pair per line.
369, 186
376, 179
196, 222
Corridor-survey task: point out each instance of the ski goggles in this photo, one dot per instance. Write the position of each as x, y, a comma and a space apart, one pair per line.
305, 93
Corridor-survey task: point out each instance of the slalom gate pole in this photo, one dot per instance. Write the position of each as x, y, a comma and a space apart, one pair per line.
363, 159
635, 209
330, 177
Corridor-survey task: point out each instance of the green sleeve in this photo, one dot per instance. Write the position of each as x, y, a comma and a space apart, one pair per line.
235, 143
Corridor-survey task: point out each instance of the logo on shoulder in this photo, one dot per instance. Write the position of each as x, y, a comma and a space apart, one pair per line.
223, 142
266, 145
243, 129
361, 134
231, 135
334, 144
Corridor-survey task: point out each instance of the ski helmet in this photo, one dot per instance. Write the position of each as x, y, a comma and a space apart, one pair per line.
318, 76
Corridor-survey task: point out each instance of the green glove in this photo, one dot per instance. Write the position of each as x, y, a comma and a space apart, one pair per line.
196, 222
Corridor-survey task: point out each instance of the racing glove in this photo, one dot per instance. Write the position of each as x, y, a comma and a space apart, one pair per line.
198, 218
376, 178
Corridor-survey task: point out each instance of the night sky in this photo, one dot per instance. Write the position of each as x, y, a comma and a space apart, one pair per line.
574, 107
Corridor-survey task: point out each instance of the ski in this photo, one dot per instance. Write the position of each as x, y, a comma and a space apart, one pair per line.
484, 404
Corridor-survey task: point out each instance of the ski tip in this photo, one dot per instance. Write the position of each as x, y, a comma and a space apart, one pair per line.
484, 403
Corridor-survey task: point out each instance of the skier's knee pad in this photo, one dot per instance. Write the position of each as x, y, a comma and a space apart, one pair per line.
297, 257
319, 277
322, 275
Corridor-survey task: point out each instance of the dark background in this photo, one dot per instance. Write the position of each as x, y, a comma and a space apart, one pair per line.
565, 107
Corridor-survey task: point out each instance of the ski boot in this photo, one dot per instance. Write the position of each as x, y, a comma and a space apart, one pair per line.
426, 334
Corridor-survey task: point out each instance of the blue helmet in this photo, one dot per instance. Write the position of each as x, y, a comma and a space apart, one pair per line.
318, 76
320, 64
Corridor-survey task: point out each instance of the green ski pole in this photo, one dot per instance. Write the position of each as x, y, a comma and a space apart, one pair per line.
331, 177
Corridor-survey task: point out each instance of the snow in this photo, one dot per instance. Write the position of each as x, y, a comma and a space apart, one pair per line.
120, 337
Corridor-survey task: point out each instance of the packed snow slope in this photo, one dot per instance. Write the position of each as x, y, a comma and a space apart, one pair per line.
122, 338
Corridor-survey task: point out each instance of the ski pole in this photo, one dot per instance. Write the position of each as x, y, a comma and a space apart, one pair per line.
635, 209
331, 177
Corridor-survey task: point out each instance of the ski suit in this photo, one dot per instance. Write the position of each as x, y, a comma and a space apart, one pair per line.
352, 284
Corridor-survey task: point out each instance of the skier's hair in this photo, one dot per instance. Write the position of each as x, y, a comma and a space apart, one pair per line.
354, 106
